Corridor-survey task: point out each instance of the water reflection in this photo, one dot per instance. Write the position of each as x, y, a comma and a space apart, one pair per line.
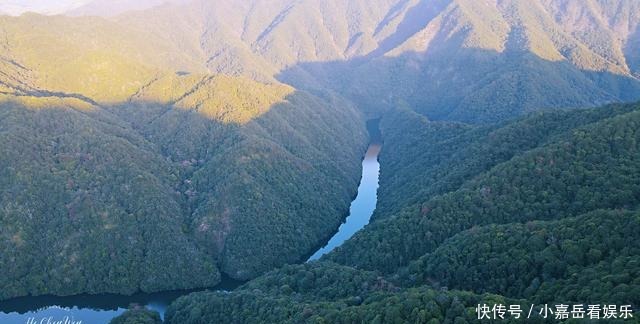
89, 309
363, 206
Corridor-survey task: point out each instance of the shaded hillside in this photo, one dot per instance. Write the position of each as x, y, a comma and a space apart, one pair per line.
542, 261
450, 153
158, 148
591, 167
119, 201
550, 218
91, 211
329, 293
113, 149
490, 86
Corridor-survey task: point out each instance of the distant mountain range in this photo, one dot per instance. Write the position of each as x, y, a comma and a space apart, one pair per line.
110, 8
18, 7
499, 55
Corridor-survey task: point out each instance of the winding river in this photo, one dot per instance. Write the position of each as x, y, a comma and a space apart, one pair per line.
362, 206
88, 309
100, 309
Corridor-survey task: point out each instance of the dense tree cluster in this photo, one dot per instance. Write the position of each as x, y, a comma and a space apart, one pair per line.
162, 149
539, 210
323, 292
538, 260
129, 163
591, 167
450, 154
418, 305
126, 198
87, 206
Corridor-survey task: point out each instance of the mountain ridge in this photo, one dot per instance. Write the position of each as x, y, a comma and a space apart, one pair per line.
545, 223
251, 116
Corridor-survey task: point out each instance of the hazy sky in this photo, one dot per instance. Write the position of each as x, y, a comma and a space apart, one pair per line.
16, 7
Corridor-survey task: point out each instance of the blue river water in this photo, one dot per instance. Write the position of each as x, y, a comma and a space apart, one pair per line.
82, 309
362, 207
88, 309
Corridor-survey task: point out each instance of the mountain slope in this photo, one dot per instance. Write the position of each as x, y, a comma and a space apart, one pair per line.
553, 222
527, 260
505, 58
131, 142
182, 112
591, 167
313, 293
451, 153
95, 192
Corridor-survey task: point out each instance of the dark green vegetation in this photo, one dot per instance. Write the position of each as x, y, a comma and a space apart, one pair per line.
542, 209
92, 211
327, 293
586, 168
138, 315
452, 153
105, 206
127, 165
157, 149
591, 258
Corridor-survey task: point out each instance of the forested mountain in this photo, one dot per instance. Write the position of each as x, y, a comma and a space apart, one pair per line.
147, 172
160, 145
546, 211
543, 260
591, 167
504, 58
451, 153
500, 56
329, 293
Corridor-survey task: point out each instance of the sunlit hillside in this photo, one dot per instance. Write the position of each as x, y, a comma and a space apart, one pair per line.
152, 146
133, 141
